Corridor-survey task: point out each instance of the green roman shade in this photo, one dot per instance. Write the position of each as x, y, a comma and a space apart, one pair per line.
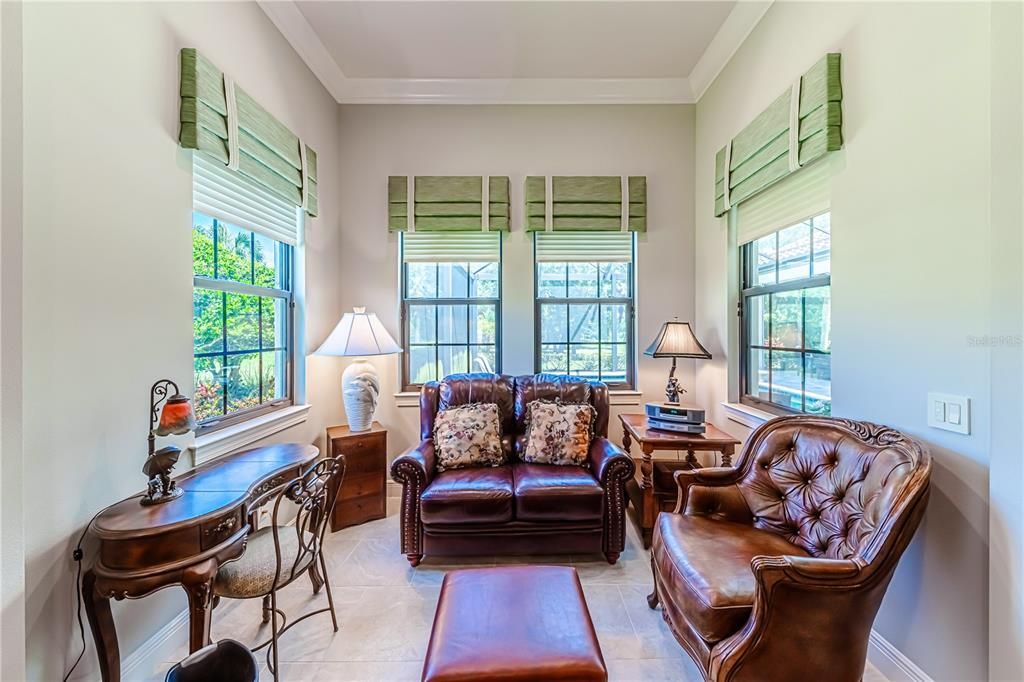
589, 203
801, 125
451, 247
268, 153
448, 203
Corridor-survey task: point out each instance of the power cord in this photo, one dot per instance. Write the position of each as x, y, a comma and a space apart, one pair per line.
78, 555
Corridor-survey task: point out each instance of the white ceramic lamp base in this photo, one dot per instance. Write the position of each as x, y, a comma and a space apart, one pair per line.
360, 391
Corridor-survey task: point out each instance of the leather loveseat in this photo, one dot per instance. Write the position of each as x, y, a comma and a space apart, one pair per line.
517, 508
774, 570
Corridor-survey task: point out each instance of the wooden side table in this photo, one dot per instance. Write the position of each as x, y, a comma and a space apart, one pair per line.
644, 491
363, 494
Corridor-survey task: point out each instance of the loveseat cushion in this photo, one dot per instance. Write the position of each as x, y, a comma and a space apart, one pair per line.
558, 433
547, 492
468, 436
704, 567
466, 496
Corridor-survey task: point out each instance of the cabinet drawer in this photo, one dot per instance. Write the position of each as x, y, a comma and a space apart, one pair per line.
357, 510
360, 485
362, 456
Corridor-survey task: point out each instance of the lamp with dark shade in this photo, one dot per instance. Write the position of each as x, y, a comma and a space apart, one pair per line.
676, 340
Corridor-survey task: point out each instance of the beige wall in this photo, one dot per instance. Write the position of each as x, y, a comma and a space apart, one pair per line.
107, 259
12, 529
656, 141
911, 271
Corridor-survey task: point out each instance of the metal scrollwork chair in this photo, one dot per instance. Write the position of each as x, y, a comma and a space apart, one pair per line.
279, 554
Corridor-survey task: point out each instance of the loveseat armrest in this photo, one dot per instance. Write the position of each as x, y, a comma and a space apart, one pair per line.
415, 465
414, 469
609, 463
708, 478
613, 468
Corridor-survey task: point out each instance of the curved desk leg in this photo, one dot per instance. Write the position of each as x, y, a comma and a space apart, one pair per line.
198, 584
101, 622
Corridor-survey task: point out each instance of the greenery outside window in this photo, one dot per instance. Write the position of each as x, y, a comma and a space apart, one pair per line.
584, 317
450, 315
785, 319
242, 322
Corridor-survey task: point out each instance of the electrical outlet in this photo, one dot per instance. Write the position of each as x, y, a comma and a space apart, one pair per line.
949, 412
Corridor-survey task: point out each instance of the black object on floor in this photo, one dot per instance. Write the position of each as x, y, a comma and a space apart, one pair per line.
225, 661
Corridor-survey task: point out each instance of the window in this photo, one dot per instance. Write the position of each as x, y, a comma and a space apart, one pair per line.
451, 294
241, 319
785, 321
584, 305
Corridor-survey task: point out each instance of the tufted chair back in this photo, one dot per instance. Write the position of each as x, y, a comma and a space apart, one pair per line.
834, 487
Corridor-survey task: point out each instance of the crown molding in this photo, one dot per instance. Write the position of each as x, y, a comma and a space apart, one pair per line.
304, 40
731, 34
517, 91
293, 25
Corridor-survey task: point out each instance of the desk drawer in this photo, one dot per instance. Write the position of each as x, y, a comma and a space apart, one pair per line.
217, 530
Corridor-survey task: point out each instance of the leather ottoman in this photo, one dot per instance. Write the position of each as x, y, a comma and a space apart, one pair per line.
513, 623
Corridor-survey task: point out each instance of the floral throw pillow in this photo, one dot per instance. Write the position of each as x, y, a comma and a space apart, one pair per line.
468, 436
558, 433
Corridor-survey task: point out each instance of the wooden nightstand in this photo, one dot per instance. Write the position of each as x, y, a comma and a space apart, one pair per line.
363, 494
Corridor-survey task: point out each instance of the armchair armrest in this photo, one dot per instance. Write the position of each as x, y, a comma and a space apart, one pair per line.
793, 597
709, 479
415, 465
609, 463
770, 570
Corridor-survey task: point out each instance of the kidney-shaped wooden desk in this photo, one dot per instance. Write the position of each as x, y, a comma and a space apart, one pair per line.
182, 542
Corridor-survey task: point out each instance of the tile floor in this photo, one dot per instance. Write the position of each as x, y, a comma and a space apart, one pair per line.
385, 610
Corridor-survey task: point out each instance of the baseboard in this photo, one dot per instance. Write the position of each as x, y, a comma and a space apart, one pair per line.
891, 662
140, 664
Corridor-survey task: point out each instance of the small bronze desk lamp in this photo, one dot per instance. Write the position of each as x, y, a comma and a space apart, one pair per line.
176, 418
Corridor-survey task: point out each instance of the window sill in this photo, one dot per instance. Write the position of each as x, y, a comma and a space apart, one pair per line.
625, 397
231, 438
745, 414
407, 399
620, 397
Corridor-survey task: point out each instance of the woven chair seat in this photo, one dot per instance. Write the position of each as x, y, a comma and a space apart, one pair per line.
252, 574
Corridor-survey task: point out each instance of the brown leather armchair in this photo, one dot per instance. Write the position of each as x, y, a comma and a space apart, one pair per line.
518, 508
775, 570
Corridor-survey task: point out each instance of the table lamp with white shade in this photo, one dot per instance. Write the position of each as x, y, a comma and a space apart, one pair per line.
359, 334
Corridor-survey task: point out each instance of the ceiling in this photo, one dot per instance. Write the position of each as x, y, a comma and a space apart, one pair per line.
547, 51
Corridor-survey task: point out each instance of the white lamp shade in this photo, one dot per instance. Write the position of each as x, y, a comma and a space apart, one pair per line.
359, 334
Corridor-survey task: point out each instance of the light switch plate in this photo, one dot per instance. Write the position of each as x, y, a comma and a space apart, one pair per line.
949, 412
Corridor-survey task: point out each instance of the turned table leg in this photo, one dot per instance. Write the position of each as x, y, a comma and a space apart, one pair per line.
691, 459
727, 453
101, 622
649, 512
